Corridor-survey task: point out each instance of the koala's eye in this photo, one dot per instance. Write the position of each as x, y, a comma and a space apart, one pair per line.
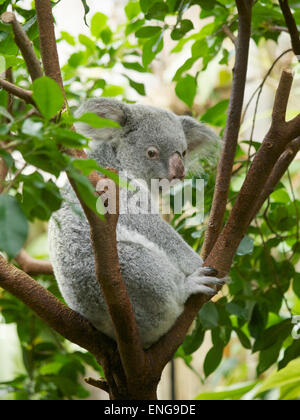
184, 153
152, 153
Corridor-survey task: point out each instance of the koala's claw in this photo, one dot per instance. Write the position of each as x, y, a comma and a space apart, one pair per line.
202, 282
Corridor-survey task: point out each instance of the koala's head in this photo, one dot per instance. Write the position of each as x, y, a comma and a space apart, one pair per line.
152, 143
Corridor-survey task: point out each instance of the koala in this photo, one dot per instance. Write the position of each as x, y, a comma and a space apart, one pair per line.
160, 270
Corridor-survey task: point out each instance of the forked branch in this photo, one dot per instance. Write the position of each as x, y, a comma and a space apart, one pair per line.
292, 26
232, 126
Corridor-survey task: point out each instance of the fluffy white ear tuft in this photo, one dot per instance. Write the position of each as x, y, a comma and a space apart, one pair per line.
197, 134
203, 143
104, 108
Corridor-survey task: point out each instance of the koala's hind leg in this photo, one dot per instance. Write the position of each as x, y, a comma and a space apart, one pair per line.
154, 286
203, 281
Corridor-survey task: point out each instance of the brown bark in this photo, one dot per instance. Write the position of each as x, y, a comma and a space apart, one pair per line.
33, 266
25, 95
277, 173
23, 42
292, 26
58, 316
48, 40
232, 127
3, 173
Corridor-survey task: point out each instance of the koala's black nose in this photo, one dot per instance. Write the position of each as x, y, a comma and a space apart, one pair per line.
176, 167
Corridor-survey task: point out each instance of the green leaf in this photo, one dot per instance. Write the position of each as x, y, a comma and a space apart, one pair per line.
48, 96
106, 36
213, 359
132, 9
235, 309
139, 87
134, 66
146, 4
98, 23
186, 90
13, 226
51, 368
243, 338
151, 48
289, 375
148, 31
68, 38
193, 342
95, 121
246, 246
5, 113
268, 357
234, 392
158, 11
69, 138
292, 352
217, 114
296, 284
87, 42
179, 32
209, 316
276, 333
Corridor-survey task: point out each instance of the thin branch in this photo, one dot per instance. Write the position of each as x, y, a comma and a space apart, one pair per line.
98, 383
271, 149
48, 41
292, 26
232, 127
33, 266
25, 95
276, 28
3, 174
12, 182
260, 87
58, 316
228, 32
23, 42
277, 173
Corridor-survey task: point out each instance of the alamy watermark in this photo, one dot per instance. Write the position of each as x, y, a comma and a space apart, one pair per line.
296, 329
161, 196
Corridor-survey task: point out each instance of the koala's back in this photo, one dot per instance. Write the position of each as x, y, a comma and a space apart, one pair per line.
152, 281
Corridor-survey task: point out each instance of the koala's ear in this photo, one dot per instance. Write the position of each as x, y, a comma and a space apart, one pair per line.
203, 143
197, 134
104, 108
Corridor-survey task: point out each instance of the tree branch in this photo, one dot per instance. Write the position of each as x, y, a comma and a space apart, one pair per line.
48, 41
33, 266
227, 243
228, 32
277, 173
3, 173
292, 26
232, 126
98, 383
271, 149
25, 95
58, 316
23, 42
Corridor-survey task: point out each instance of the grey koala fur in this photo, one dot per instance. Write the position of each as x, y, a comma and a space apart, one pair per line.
161, 271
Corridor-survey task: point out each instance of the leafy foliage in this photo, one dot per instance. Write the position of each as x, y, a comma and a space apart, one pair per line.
264, 292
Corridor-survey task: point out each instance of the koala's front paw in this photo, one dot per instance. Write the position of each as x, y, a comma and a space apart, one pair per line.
203, 281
